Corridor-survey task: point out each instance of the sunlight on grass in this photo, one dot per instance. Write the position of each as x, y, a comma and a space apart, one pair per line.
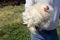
10, 15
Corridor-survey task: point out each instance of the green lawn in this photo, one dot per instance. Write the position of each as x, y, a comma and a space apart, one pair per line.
11, 27
58, 30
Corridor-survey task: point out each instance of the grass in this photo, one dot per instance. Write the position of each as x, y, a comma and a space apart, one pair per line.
58, 30
11, 27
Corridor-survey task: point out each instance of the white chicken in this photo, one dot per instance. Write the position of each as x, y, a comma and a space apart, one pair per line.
37, 15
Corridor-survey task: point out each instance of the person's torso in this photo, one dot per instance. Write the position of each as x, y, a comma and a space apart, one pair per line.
53, 22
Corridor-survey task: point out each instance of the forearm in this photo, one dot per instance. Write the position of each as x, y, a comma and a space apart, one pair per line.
28, 4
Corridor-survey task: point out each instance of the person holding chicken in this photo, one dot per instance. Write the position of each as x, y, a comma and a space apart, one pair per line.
50, 32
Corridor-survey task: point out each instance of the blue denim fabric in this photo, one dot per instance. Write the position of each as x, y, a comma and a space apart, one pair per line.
45, 35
